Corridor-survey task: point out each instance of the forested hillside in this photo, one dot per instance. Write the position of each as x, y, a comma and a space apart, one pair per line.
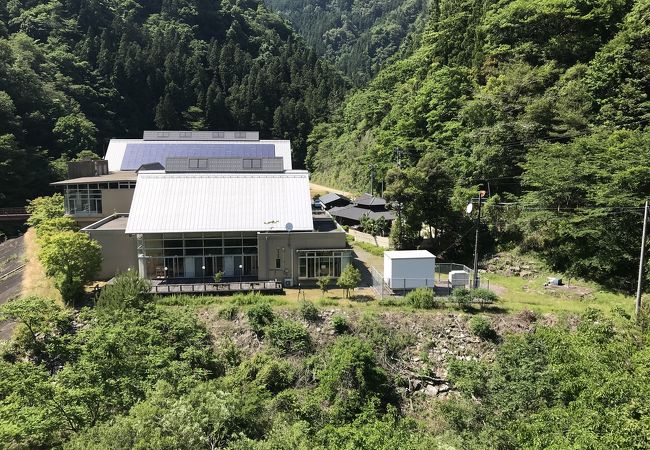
74, 73
542, 104
358, 36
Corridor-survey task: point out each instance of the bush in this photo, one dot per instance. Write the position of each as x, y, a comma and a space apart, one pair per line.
260, 316
308, 311
229, 312
323, 283
127, 291
483, 296
289, 336
422, 298
340, 325
481, 327
461, 297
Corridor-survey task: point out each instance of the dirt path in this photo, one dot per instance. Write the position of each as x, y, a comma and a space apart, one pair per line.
317, 188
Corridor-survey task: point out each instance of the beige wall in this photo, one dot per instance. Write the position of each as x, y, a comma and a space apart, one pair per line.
287, 243
116, 201
118, 252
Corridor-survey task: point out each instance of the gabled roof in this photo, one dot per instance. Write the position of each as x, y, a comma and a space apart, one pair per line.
369, 200
193, 202
355, 213
332, 197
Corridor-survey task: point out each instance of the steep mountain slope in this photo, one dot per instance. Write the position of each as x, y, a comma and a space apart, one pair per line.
523, 99
74, 73
357, 36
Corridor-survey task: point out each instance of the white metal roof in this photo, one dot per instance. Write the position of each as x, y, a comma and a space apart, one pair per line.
409, 254
117, 148
174, 203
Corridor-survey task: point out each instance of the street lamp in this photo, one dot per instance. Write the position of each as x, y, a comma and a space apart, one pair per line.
203, 267
165, 273
241, 271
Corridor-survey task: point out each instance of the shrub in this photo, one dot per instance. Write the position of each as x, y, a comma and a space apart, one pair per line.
483, 296
479, 326
217, 277
323, 283
422, 298
289, 336
308, 311
276, 375
259, 316
229, 312
127, 291
462, 297
340, 325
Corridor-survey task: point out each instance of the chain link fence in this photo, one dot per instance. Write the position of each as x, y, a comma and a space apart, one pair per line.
440, 283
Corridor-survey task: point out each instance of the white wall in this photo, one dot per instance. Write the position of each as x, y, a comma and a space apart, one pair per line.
409, 273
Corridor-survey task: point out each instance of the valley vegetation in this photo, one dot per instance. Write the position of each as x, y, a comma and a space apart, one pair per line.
360, 36
544, 105
74, 74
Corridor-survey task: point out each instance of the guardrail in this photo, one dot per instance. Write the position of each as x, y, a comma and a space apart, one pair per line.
4, 276
217, 288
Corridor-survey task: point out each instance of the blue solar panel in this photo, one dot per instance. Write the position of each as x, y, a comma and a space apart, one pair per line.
138, 154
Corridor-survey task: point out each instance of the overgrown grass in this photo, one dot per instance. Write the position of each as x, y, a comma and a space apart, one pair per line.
372, 249
35, 282
518, 294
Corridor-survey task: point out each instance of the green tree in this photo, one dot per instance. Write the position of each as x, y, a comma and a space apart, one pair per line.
75, 133
42, 209
349, 279
72, 259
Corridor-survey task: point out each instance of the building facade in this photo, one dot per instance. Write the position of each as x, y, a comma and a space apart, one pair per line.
185, 207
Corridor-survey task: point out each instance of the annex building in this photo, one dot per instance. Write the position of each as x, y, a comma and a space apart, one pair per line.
187, 205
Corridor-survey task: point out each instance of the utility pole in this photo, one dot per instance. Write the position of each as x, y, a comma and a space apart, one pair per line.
478, 224
372, 180
398, 152
641, 261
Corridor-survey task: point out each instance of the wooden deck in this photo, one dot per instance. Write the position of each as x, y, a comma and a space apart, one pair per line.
212, 288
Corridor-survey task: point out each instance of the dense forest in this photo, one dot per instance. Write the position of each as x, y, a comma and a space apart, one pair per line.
135, 373
74, 73
357, 36
543, 105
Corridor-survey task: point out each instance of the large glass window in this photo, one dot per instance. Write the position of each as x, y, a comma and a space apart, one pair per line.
195, 255
317, 263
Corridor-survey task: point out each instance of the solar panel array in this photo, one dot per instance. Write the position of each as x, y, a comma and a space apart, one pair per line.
137, 154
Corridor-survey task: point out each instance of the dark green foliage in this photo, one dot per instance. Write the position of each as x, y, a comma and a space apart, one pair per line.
349, 378
481, 327
538, 103
128, 290
229, 312
558, 389
422, 298
308, 311
340, 324
99, 371
259, 316
358, 36
73, 74
289, 336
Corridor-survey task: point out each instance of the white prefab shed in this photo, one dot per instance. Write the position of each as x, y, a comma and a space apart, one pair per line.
409, 269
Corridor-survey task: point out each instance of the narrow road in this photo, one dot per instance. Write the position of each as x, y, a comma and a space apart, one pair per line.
11, 276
